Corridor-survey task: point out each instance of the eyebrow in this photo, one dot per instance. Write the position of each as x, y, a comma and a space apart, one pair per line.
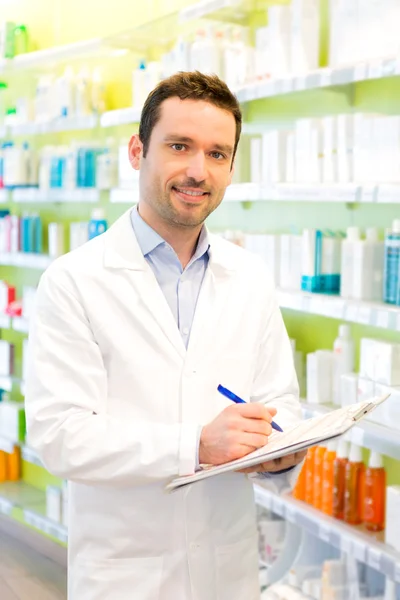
226, 148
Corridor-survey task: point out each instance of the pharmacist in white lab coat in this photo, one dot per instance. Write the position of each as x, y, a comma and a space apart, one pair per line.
131, 336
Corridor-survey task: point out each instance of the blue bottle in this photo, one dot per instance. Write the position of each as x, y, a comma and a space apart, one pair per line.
392, 265
97, 224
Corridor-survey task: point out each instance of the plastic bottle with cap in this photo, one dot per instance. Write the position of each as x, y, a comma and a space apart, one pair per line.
354, 487
343, 359
318, 468
375, 494
327, 478
368, 267
392, 264
339, 478
97, 223
348, 263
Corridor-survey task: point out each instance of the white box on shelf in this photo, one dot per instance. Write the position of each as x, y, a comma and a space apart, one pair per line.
305, 33
54, 503
367, 358
290, 261
365, 389
388, 413
348, 389
6, 358
319, 377
392, 530
11, 419
387, 363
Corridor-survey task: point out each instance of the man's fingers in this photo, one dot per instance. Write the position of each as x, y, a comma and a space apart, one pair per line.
254, 410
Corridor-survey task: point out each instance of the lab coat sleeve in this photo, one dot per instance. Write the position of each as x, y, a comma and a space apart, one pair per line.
275, 383
65, 402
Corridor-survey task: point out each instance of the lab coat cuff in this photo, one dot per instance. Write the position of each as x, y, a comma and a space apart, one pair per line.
188, 449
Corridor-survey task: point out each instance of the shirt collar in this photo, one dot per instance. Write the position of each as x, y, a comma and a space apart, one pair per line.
148, 239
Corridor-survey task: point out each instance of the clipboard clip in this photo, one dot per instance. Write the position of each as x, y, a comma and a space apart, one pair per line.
365, 410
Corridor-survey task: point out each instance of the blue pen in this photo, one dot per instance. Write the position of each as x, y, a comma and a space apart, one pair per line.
228, 394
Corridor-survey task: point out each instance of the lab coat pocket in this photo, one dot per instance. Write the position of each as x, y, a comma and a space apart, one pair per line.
109, 579
237, 570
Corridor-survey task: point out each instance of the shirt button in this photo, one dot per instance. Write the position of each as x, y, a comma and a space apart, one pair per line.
194, 546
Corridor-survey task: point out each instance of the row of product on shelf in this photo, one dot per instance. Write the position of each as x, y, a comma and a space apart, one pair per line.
80, 165
341, 149
331, 377
334, 480
326, 261
334, 579
14, 39
27, 234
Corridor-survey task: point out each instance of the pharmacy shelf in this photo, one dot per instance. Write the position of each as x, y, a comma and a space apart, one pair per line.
122, 116
321, 78
20, 324
37, 195
122, 196
376, 314
3, 194
5, 321
55, 126
30, 456
26, 260
293, 192
366, 434
7, 445
17, 497
365, 547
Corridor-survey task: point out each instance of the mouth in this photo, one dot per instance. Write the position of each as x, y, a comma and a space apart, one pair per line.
190, 195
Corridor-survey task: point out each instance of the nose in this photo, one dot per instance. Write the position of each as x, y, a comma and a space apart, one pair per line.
196, 168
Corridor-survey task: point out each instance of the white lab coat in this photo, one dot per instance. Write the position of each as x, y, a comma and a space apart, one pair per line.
114, 402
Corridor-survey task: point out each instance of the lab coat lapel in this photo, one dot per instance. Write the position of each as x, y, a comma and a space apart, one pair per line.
122, 251
214, 294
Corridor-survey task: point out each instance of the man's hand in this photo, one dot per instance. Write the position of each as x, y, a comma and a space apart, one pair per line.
235, 432
279, 464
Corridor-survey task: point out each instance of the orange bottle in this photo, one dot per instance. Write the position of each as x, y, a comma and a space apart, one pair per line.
375, 494
327, 478
299, 491
354, 488
3, 466
339, 479
318, 472
14, 465
309, 467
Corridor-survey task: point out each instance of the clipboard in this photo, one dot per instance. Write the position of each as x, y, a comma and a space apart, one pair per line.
303, 435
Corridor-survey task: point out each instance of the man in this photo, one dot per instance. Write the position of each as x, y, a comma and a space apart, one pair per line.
132, 335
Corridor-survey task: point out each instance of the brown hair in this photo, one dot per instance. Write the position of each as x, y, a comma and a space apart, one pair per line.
190, 85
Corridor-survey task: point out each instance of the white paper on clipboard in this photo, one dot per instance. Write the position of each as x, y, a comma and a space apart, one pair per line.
301, 436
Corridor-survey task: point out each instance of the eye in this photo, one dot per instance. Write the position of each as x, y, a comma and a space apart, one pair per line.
218, 155
178, 147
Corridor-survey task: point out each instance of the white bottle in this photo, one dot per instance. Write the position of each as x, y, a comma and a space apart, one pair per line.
369, 257
98, 92
205, 53
139, 76
82, 98
343, 359
66, 93
347, 263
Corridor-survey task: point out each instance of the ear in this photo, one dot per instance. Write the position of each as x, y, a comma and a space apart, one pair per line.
135, 150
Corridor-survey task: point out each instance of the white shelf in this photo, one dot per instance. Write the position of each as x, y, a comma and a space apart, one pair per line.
33, 502
5, 321
56, 126
366, 434
321, 78
122, 116
6, 383
353, 540
37, 195
376, 314
297, 192
50, 56
20, 324
122, 196
26, 260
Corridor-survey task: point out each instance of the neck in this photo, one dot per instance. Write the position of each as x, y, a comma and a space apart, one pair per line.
182, 239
